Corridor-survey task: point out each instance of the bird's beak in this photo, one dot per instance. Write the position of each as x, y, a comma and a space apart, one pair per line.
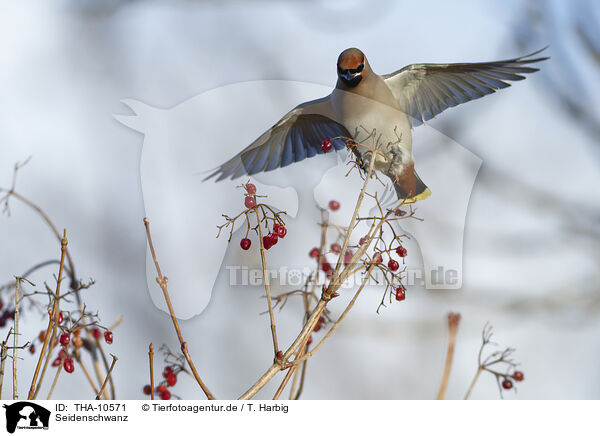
350, 79
348, 76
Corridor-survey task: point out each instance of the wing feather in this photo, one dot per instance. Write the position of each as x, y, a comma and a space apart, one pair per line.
295, 137
425, 90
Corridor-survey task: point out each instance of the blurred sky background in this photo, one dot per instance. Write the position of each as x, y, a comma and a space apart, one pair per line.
531, 251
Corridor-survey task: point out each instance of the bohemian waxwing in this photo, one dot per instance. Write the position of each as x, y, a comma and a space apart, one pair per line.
377, 111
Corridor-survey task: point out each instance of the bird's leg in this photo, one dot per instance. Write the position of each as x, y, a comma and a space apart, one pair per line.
365, 160
395, 155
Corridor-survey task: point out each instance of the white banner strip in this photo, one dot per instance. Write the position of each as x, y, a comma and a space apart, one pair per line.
303, 417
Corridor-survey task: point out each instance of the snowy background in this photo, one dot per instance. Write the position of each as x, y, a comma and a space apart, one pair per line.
531, 238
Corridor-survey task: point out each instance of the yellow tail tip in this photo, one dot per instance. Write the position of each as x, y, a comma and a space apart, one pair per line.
422, 196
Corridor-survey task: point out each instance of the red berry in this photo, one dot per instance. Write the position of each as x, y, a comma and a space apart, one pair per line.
42, 335
334, 205
56, 361
321, 320
518, 376
161, 388
64, 339
68, 365
399, 212
507, 384
317, 328
362, 240
96, 333
400, 294
171, 379
60, 317
250, 189
377, 258
326, 266
347, 257
108, 337
245, 243
168, 370
401, 251
266, 242
147, 390
393, 265
166, 395
279, 230
309, 341
62, 354
326, 145
335, 247
32, 349
314, 252
250, 201
269, 240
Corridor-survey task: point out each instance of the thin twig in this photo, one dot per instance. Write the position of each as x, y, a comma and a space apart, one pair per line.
297, 376
267, 284
496, 357
86, 372
114, 361
289, 374
453, 322
302, 378
16, 338
339, 321
46, 218
3, 357
95, 361
58, 371
477, 374
53, 321
283, 384
105, 361
162, 281
151, 360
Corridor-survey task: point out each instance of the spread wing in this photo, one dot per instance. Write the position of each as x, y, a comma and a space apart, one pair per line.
425, 90
295, 137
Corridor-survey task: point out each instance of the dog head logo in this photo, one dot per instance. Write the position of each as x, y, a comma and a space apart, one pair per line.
26, 415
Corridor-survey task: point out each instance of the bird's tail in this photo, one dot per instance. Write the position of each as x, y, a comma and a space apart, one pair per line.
410, 192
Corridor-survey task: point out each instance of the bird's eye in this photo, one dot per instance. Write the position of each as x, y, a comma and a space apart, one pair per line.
357, 69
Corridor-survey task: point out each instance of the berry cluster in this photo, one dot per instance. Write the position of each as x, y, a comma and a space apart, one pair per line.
391, 273
516, 376
169, 379
70, 340
496, 360
335, 248
174, 365
274, 225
